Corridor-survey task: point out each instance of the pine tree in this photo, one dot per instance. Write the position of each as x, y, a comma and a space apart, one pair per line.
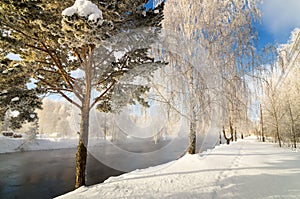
55, 39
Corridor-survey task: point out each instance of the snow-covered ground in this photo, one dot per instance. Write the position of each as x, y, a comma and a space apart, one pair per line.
245, 169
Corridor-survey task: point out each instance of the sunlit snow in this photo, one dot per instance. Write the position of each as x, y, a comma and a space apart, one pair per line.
245, 169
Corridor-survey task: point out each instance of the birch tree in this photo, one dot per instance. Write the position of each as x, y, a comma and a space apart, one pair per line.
289, 61
281, 93
213, 46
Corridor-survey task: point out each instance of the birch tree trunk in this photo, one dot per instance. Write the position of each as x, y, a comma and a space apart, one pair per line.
262, 125
292, 124
192, 147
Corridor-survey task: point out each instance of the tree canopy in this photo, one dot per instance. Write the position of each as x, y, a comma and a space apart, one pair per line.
55, 46
18, 103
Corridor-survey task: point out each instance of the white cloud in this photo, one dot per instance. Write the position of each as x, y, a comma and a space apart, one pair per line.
281, 16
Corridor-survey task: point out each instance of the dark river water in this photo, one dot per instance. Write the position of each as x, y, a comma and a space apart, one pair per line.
47, 174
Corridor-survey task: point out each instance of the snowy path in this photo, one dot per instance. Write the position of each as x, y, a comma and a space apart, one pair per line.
245, 169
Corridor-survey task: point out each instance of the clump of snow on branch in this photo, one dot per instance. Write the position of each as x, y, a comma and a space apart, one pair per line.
84, 8
83, 24
15, 99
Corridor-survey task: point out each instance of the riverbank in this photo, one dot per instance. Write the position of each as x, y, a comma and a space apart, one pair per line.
10, 145
245, 169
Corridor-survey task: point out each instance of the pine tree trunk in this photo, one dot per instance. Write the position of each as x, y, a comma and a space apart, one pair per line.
81, 155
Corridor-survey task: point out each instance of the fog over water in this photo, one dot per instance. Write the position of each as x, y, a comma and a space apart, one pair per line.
46, 174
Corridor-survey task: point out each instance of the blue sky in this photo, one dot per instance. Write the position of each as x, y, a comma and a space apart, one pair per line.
279, 18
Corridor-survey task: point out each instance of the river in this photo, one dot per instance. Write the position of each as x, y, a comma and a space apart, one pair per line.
47, 174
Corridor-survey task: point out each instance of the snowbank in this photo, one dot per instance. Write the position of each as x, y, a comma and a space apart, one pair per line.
245, 169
